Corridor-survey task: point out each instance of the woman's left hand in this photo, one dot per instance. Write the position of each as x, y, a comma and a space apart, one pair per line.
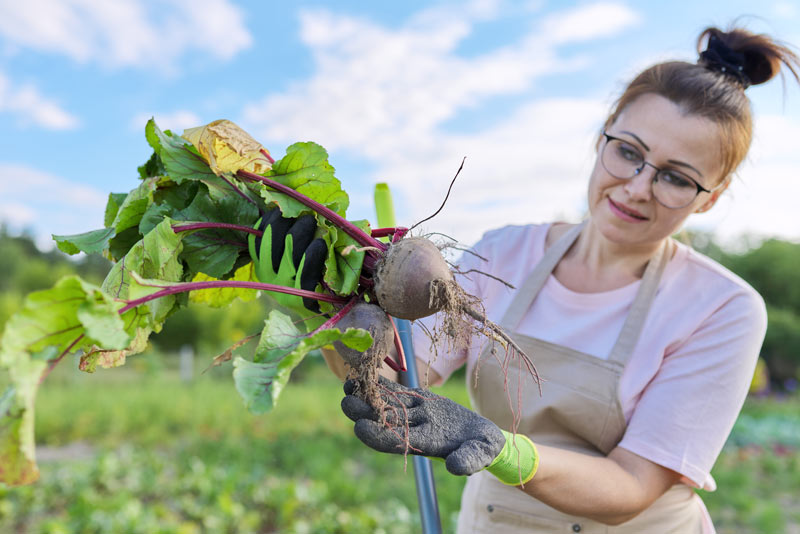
435, 426
423, 423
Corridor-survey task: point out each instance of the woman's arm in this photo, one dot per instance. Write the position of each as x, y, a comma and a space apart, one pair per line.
611, 489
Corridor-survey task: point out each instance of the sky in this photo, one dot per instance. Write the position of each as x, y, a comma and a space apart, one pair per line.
397, 92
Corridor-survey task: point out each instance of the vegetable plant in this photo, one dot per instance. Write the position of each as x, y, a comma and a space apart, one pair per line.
185, 234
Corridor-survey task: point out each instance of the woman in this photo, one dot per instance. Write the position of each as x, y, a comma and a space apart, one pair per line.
646, 347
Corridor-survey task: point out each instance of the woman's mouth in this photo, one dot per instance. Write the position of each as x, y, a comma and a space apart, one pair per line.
624, 212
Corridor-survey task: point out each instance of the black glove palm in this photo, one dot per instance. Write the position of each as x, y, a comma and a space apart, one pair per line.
437, 427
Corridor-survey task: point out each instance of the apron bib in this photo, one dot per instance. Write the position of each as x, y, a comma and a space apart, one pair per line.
579, 410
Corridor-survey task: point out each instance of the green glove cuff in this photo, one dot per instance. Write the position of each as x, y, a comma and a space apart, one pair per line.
517, 462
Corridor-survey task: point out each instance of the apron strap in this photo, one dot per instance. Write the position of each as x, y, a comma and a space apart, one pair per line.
533, 284
634, 321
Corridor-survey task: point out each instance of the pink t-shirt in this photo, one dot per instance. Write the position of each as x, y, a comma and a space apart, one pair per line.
684, 385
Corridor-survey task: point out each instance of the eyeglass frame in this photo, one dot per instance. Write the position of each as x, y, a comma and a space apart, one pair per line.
700, 188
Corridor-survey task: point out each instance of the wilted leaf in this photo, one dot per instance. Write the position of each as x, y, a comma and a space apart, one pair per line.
228, 354
227, 148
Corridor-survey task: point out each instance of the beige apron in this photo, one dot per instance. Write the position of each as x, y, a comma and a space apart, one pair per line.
579, 410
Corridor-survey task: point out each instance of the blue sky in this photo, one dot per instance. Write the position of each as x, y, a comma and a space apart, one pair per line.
397, 92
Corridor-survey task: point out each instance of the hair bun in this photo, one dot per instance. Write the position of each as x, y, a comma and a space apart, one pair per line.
750, 58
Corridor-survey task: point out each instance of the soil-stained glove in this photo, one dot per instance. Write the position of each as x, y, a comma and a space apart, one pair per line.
441, 428
288, 247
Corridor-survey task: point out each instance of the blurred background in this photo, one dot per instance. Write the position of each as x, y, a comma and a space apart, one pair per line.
397, 93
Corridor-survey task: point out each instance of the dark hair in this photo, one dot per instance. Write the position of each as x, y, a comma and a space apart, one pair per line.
709, 89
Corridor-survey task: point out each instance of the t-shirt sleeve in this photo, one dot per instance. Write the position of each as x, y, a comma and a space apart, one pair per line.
685, 414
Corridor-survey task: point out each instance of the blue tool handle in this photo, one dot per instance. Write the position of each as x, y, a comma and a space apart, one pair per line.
423, 471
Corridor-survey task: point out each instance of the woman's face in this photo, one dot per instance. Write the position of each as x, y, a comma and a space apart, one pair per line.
625, 211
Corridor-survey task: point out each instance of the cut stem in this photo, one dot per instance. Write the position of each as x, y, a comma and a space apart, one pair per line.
384, 232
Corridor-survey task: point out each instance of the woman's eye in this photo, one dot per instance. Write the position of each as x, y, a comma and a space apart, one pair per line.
628, 153
677, 179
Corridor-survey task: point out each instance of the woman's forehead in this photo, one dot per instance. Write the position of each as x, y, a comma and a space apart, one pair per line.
663, 128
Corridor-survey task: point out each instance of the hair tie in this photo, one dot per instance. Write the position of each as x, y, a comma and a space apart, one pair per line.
721, 58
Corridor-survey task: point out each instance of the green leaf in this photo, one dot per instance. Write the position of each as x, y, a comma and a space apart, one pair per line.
134, 206
305, 169
57, 316
169, 199
345, 259
177, 195
152, 167
182, 161
221, 297
153, 216
115, 200
154, 257
281, 348
121, 243
17, 447
214, 251
94, 242
72, 315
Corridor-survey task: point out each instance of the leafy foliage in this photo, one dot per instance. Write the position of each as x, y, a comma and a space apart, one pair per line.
186, 220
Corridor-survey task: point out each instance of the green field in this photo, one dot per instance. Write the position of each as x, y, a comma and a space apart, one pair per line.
126, 451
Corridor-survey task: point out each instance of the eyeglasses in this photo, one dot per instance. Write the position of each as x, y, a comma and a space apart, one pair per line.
671, 188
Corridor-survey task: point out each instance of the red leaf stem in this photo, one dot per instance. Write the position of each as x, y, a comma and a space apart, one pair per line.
204, 225
398, 344
60, 357
330, 323
182, 287
349, 228
266, 155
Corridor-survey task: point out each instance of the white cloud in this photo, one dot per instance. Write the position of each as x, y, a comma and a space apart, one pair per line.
31, 107
138, 33
386, 94
47, 203
177, 121
591, 21
785, 9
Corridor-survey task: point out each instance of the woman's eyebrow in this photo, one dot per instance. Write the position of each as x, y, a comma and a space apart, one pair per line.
637, 139
684, 164
672, 161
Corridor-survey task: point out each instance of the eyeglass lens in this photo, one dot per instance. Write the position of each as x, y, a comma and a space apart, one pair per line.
671, 188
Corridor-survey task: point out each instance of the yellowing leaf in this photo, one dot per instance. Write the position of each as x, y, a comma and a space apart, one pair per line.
113, 358
228, 148
222, 296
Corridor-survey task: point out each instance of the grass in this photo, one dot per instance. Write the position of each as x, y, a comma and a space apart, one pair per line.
161, 456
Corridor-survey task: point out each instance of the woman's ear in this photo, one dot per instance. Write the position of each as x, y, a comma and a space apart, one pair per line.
708, 204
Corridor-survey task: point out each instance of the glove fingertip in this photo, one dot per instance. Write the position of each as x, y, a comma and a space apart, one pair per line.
358, 410
313, 267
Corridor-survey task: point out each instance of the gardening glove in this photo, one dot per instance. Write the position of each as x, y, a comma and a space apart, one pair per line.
441, 428
288, 247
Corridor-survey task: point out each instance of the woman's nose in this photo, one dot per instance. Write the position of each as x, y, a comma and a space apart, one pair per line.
640, 187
